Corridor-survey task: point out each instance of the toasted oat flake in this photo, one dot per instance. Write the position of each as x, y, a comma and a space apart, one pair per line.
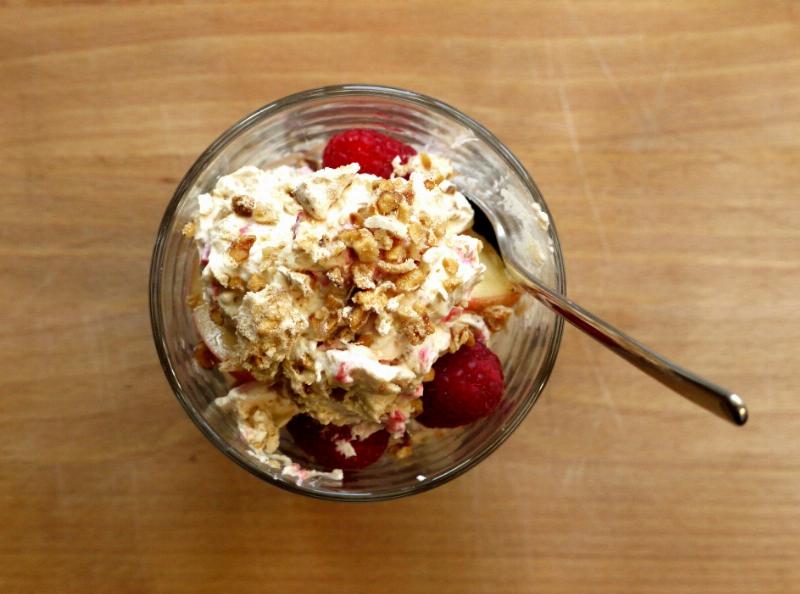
460, 336
333, 301
336, 276
236, 283
451, 284
365, 246
256, 282
450, 266
388, 202
375, 299
240, 248
416, 330
384, 240
417, 234
404, 212
362, 275
397, 267
411, 281
496, 316
387, 223
358, 318
396, 254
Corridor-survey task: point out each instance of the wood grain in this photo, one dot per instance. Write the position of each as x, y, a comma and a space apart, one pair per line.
665, 138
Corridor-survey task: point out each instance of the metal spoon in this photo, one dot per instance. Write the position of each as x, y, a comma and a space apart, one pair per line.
495, 226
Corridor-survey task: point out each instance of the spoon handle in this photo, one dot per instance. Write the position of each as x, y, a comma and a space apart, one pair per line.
702, 392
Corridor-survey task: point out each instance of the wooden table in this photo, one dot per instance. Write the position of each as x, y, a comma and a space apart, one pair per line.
666, 138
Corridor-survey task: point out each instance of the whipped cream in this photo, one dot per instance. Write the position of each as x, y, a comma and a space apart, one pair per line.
339, 290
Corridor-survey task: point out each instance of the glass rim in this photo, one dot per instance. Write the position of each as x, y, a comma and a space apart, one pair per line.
242, 126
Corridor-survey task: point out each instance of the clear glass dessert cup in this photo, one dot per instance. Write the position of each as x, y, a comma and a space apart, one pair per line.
298, 126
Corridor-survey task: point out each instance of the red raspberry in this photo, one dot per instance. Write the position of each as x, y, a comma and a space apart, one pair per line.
241, 376
467, 386
320, 441
372, 150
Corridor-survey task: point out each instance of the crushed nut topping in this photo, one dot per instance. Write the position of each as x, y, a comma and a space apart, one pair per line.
357, 218
411, 281
415, 251
243, 205
383, 239
358, 318
416, 330
362, 275
189, 230
460, 336
319, 323
336, 276
419, 309
404, 212
385, 185
256, 282
496, 316
388, 202
341, 278
397, 267
450, 266
450, 284
337, 257
363, 242
396, 254
333, 301
366, 339
417, 233
375, 299
240, 248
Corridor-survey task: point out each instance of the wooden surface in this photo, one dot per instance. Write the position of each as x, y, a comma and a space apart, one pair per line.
666, 139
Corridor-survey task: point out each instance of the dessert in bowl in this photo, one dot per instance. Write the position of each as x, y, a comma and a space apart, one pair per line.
325, 312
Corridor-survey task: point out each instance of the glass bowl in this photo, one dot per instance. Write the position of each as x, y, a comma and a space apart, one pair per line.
298, 126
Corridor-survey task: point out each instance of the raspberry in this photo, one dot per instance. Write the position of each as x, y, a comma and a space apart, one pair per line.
328, 443
372, 150
467, 386
241, 376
